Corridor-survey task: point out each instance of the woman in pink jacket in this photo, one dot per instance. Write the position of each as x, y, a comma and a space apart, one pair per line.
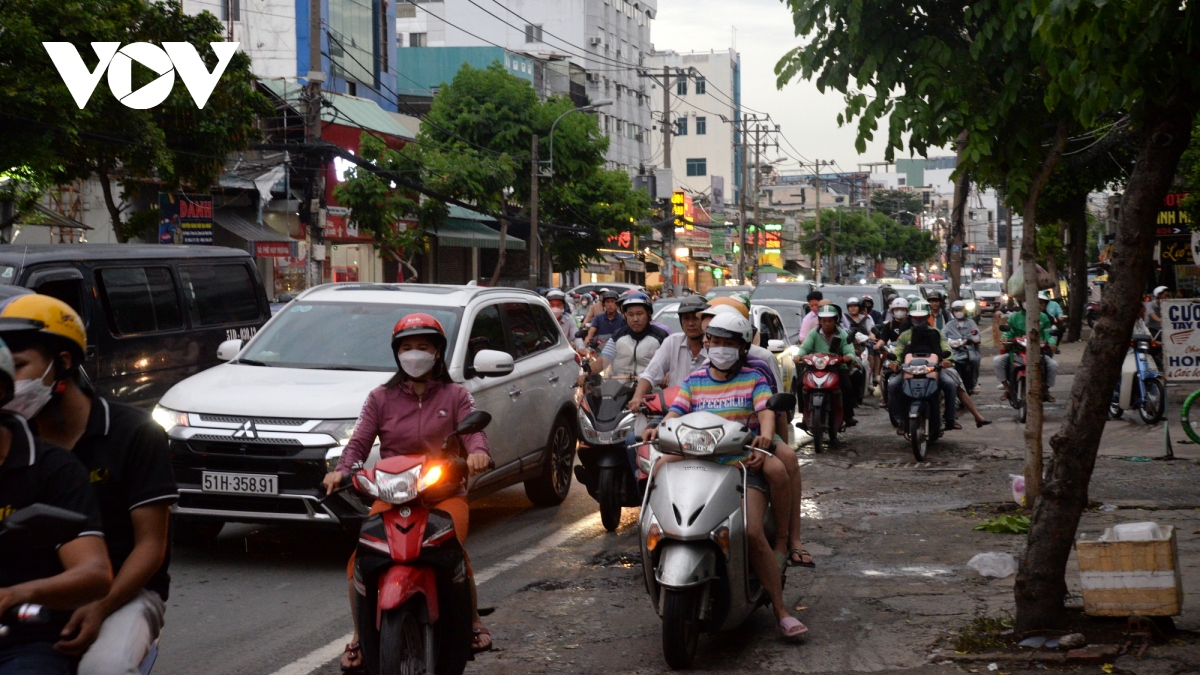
412, 414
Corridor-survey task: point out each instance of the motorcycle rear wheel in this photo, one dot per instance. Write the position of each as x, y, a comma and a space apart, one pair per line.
1115, 411
402, 643
1154, 405
608, 494
681, 628
920, 442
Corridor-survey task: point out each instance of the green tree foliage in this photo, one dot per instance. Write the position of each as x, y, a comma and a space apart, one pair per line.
49, 140
475, 146
876, 239
900, 205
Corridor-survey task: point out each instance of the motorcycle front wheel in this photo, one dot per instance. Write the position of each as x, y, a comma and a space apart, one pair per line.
1154, 404
916, 433
681, 628
816, 429
401, 642
1022, 402
609, 496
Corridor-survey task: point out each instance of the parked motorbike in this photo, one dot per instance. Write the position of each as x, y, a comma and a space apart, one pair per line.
1090, 311
604, 425
924, 424
414, 597
692, 530
822, 405
963, 350
1141, 386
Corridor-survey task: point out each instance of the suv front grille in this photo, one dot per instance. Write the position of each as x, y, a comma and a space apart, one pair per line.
218, 502
269, 421
211, 438
263, 447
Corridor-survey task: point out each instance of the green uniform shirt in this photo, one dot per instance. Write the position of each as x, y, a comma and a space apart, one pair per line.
815, 343
1016, 327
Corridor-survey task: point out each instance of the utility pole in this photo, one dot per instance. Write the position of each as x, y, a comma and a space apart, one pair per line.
312, 110
758, 234
669, 230
817, 186
742, 206
533, 217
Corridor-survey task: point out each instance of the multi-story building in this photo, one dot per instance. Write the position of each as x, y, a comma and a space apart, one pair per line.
358, 46
705, 112
590, 50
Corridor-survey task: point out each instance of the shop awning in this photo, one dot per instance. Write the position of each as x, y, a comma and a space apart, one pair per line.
44, 217
247, 229
341, 109
472, 234
771, 269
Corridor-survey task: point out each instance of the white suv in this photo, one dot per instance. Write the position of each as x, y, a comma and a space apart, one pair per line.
252, 438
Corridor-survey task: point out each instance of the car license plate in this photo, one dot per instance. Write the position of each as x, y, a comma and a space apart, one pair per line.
240, 483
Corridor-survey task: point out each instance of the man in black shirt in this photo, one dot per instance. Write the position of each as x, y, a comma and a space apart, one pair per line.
125, 452
78, 572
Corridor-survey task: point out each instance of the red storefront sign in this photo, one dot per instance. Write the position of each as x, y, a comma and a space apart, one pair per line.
272, 249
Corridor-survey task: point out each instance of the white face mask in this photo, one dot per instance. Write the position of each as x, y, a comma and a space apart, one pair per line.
900, 314
30, 396
724, 357
558, 312
416, 363
960, 315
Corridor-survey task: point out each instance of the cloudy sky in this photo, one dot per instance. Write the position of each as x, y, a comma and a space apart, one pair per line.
764, 33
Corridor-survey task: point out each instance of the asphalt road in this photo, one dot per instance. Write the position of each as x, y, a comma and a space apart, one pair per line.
261, 597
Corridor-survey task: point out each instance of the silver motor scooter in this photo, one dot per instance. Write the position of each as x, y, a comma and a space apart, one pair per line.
693, 531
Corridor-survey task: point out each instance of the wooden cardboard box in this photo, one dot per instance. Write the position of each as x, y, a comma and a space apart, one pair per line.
1126, 578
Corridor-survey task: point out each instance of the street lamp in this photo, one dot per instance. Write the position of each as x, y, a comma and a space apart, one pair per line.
587, 108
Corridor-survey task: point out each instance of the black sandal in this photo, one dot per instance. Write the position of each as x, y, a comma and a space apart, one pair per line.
800, 553
982, 423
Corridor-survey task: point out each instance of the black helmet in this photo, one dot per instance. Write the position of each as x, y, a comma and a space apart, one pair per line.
610, 295
692, 304
935, 294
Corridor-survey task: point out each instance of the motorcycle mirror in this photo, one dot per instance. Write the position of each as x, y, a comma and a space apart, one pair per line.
42, 526
782, 402
581, 333
474, 423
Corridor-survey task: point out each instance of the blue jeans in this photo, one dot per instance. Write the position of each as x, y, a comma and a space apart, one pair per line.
37, 658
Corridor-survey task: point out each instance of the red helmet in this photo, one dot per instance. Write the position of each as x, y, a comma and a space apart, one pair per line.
419, 324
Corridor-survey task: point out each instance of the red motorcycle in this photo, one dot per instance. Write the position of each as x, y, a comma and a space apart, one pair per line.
654, 407
822, 397
410, 572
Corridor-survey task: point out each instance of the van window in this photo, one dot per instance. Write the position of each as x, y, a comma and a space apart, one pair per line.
140, 299
219, 294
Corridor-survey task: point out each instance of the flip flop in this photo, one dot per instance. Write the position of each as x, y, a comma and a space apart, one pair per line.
355, 650
956, 426
477, 632
982, 423
790, 626
800, 553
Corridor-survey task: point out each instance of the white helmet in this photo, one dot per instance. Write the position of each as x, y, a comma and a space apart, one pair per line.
899, 303
731, 325
717, 310
957, 305
1159, 291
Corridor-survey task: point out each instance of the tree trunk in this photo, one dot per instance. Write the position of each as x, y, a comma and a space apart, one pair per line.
1033, 324
954, 250
500, 257
114, 212
1077, 251
1041, 584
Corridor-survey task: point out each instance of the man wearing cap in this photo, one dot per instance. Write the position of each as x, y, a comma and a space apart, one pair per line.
125, 451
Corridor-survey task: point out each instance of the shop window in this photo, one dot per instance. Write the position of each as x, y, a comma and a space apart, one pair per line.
219, 294
140, 299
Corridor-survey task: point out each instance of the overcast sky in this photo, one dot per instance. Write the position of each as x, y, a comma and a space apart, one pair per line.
764, 34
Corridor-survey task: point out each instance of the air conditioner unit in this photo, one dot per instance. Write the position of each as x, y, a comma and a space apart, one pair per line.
593, 77
594, 41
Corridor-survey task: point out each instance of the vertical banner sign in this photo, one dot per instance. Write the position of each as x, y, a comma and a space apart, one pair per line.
186, 219
1181, 340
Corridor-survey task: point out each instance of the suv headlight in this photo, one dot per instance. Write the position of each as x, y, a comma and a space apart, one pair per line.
699, 441
341, 430
169, 419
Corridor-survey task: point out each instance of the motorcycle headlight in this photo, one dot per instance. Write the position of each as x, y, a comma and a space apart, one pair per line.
589, 433
393, 488
169, 419
340, 430
699, 441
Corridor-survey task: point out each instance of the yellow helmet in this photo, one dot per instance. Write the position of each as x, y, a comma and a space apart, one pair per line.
45, 315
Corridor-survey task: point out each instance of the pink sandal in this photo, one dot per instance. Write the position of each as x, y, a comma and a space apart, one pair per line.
791, 627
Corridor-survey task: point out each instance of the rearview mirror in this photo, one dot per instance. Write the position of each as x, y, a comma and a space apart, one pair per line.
41, 526
782, 403
492, 363
229, 349
581, 333
776, 346
474, 423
